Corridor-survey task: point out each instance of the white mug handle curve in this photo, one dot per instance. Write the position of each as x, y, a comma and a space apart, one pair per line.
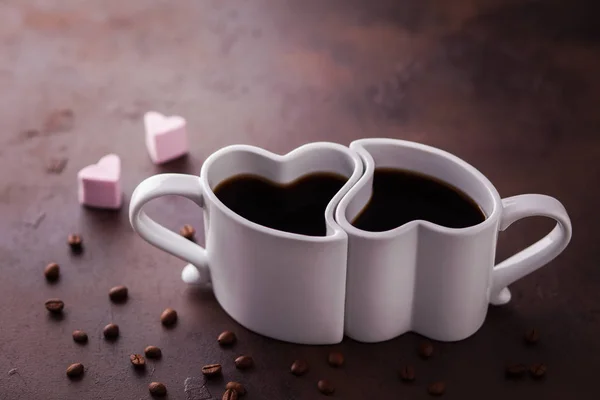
539, 253
188, 186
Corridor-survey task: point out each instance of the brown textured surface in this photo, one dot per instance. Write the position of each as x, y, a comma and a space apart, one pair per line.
510, 86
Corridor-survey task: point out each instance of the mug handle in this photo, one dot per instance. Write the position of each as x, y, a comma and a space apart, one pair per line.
539, 253
162, 185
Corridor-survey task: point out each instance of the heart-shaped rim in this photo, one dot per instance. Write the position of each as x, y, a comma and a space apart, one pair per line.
107, 169
303, 158
156, 123
360, 147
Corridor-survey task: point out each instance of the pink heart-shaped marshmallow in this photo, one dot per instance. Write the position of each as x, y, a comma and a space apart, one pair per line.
107, 169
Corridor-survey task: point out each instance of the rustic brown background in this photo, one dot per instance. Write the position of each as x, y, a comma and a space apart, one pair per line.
513, 87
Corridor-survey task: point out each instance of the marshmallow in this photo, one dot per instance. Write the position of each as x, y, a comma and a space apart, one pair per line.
100, 184
166, 137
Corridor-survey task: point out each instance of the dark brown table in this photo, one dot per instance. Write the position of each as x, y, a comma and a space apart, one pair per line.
510, 86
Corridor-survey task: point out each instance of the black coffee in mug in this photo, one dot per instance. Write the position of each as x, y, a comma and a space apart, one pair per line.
400, 196
297, 207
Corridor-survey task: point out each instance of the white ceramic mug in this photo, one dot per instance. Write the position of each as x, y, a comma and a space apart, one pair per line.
430, 279
283, 285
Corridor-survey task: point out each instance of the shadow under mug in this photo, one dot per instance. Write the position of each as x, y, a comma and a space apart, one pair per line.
372, 286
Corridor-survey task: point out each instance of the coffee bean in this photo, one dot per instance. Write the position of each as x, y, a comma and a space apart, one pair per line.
226, 338
407, 373
244, 362
325, 387
425, 349
538, 370
335, 359
299, 367
238, 387
532, 336
137, 360
111, 331
212, 370
230, 394
168, 317
118, 294
80, 336
437, 388
75, 370
157, 389
187, 232
153, 352
52, 272
515, 371
55, 306
75, 242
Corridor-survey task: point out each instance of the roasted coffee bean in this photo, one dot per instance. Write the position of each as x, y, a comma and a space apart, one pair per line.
187, 232
111, 331
168, 317
55, 306
52, 272
532, 336
118, 294
244, 362
238, 387
437, 388
80, 336
75, 370
230, 394
157, 389
515, 371
212, 370
75, 242
335, 359
425, 349
137, 360
153, 352
299, 367
325, 387
538, 370
227, 338
407, 373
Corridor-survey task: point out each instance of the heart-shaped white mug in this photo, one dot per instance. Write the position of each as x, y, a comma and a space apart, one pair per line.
283, 285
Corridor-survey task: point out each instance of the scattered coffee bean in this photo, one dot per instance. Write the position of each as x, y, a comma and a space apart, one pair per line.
538, 370
111, 331
244, 362
157, 389
238, 387
187, 232
168, 317
230, 394
52, 272
55, 306
137, 360
437, 388
425, 349
212, 370
532, 336
75, 242
75, 370
118, 294
299, 367
227, 338
80, 336
407, 373
325, 387
153, 352
515, 371
335, 359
